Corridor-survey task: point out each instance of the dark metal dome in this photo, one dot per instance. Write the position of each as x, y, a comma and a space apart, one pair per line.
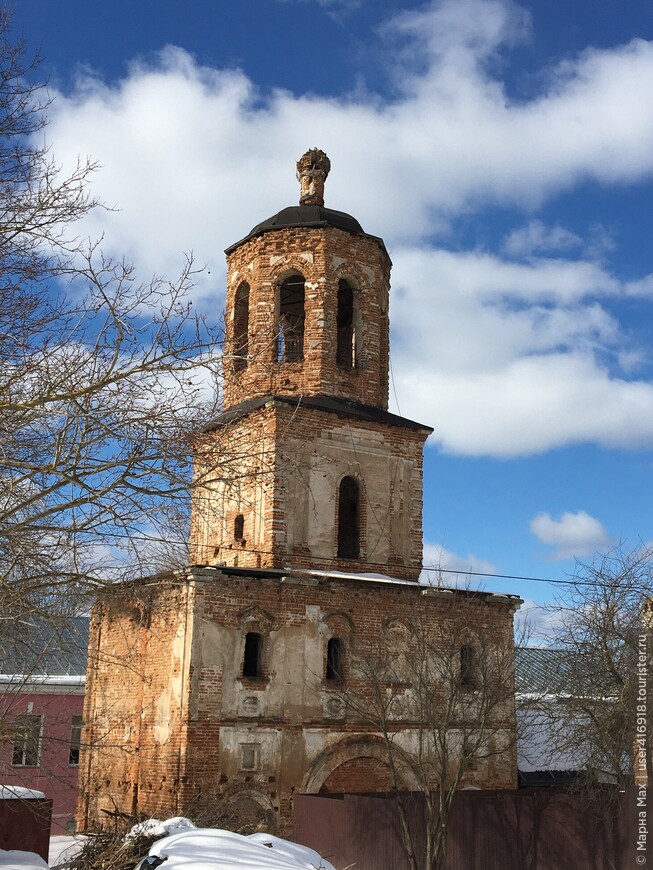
304, 216
309, 216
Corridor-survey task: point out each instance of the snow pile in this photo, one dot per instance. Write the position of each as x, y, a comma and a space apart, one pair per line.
304, 856
211, 849
13, 859
64, 847
157, 828
17, 792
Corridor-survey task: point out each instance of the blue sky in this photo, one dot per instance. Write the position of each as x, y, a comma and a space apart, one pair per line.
504, 152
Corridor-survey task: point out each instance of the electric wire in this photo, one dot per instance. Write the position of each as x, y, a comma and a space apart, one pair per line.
559, 581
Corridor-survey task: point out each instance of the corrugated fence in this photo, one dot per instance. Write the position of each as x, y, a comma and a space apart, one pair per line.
524, 829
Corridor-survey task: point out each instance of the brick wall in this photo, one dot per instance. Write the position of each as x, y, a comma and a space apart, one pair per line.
291, 463
136, 705
323, 256
177, 726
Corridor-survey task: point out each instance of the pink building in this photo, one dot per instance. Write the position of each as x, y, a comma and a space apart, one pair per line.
42, 676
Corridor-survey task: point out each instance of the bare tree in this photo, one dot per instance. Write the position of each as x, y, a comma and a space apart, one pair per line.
604, 631
441, 697
103, 379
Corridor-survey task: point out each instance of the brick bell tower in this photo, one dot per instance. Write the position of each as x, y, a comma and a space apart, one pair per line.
313, 471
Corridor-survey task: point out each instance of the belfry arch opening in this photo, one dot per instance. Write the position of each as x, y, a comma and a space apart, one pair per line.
349, 521
348, 327
290, 321
241, 327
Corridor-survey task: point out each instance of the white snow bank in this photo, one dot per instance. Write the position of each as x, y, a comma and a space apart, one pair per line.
13, 859
64, 847
304, 856
17, 792
157, 828
210, 849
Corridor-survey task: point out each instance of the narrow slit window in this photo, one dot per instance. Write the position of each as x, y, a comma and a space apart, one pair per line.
239, 527
290, 332
75, 741
241, 327
253, 658
467, 666
346, 341
349, 519
334, 662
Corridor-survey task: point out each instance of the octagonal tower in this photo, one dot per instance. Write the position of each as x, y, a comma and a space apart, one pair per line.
318, 475
307, 303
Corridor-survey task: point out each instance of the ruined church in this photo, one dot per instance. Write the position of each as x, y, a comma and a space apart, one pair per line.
232, 680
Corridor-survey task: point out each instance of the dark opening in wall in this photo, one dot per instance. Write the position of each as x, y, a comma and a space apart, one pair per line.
253, 658
467, 666
241, 327
334, 662
239, 527
349, 519
75, 740
290, 332
346, 343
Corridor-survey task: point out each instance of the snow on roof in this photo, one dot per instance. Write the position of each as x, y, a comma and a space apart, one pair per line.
41, 680
17, 792
350, 575
14, 859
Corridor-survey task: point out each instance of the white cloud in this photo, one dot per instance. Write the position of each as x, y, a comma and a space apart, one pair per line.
643, 287
450, 569
572, 536
508, 358
536, 237
192, 154
536, 623
502, 357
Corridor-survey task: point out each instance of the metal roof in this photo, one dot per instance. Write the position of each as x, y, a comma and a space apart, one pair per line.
300, 216
36, 647
547, 671
344, 407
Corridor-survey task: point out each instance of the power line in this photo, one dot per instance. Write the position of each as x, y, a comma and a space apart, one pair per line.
575, 581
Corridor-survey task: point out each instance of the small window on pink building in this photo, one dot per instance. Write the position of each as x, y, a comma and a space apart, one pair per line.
26, 745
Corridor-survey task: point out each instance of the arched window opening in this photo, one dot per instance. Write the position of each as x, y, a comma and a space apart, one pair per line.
346, 349
253, 658
239, 527
349, 519
290, 337
241, 327
467, 666
335, 656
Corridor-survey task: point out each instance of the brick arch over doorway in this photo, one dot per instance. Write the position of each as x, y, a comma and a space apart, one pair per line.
363, 774
356, 764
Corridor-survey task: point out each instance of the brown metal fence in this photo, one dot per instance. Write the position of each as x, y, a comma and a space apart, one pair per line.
25, 825
525, 829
